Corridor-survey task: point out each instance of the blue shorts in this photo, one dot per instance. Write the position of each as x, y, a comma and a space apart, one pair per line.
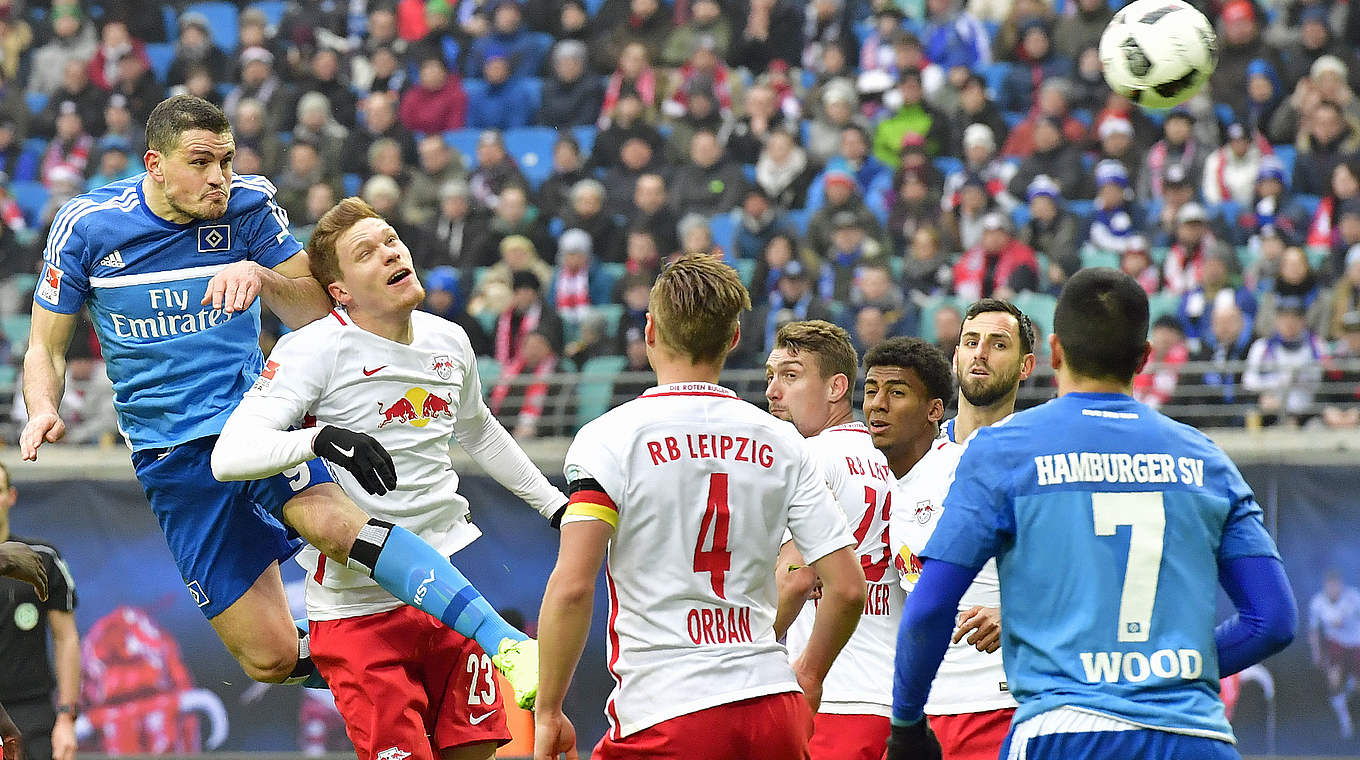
1137, 744
223, 535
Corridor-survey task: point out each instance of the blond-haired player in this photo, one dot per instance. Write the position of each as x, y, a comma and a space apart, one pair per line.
809, 378
690, 490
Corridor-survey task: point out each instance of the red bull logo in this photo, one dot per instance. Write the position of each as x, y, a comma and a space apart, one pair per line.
908, 565
416, 408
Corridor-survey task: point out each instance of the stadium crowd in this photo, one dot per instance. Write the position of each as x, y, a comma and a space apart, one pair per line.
877, 163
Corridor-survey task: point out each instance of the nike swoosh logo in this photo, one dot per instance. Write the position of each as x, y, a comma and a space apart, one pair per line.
475, 719
371, 372
343, 452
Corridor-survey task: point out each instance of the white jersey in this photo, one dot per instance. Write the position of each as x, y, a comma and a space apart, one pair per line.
859, 477
968, 681
413, 399
1338, 621
700, 487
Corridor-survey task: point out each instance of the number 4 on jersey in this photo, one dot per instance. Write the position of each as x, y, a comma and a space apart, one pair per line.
718, 560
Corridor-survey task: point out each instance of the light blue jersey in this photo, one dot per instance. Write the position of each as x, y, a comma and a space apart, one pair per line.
1108, 521
178, 368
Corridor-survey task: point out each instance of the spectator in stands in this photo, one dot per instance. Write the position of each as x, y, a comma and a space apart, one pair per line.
708, 184
1326, 81
841, 196
784, 172
442, 299
948, 324
70, 148
1329, 138
633, 78
304, 169
1286, 368
706, 22
571, 96
259, 82
876, 48
1054, 157
850, 249
646, 24
523, 393
384, 158
914, 207
794, 299
1349, 228
1088, 88
379, 122
1231, 172
1295, 283
1342, 406
703, 66
113, 165
752, 131
575, 284
324, 76
1155, 385
1216, 283
770, 30
115, 42
15, 109
914, 159
440, 37
621, 180
199, 83
513, 216
963, 223
1081, 30
700, 112
384, 75
63, 184
915, 117
873, 287
626, 123
1264, 95
926, 271
980, 160
592, 341
1177, 146
118, 125
586, 212
1343, 190
77, 88
974, 108
1050, 103
999, 265
954, 37
838, 102
651, 211
1051, 230
632, 293
454, 234
250, 128
757, 223
1176, 192
1224, 348
1345, 295
1239, 44
381, 32
697, 237
523, 49
320, 198
1267, 247
437, 102
507, 102
1037, 60
72, 40
16, 36
1194, 243
438, 165
639, 369
493, 294
496, 170
568, 169
316, 124
872, 177
1114, 221
1136, 262
526, 313
135, 81
195, 48
778, 252
1115, 143
384, 194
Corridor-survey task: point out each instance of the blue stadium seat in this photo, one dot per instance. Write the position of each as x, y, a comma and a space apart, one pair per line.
585, 137
36, 102
799, 218
1287, 154
593, 7
532, 148
1020, 215
1225, 114
948, 164
1308, 202
995, 74
170, 20
1096, 257
272, 10
534, 87
162, 54
465, 142
1013, 118
353, 183
724, 229
221, 22
30, 195
475, 88
747, 269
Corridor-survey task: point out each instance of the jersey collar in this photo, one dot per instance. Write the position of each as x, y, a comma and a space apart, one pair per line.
948, 429
690, 389
850, 427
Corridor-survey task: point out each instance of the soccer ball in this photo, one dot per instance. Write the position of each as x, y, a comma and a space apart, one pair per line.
1158, 53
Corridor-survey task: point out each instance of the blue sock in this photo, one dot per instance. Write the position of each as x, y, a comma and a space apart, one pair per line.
416, 573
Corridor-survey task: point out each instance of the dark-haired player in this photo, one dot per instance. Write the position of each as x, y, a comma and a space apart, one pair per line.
169, 263
1112, 526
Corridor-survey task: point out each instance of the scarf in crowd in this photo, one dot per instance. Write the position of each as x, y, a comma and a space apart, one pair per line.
1157, 159
534, 394
775, 178
508, 340
573, 293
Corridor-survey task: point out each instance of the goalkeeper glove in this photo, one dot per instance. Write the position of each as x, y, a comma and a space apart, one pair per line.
361, 454
914, 741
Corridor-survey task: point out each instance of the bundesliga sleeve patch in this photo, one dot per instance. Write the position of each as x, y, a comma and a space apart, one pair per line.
266, 375
49, 287
589, 500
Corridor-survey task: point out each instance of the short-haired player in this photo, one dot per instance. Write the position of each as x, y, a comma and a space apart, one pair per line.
690, 491
809, 377
970, 705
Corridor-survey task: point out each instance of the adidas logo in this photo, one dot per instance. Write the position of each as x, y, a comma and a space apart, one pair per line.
114, 259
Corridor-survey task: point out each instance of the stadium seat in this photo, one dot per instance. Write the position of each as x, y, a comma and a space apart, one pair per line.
1020, 215
948, 164
1162, 304
724, 230
610, 312
221, 23
799, 218
16, 328
1038, 307
162, 54
1013, 118
928, 309
30, 195
489, 371
1225, 114
596, 387
585, 137
995, 75
1096, 257
353, 183
272, 10
1287, 154
532, 149
465, 142
36, 102
747, 269
1309, 203
593, 7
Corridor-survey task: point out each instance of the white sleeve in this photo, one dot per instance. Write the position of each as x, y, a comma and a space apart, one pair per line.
490, 445
816, 522
256, 442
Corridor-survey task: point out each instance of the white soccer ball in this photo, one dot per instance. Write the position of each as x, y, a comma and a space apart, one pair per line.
1158, 53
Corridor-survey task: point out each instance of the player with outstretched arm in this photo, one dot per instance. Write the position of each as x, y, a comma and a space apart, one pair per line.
379, 376
690, 489
809, 379
1112, 526
169, 263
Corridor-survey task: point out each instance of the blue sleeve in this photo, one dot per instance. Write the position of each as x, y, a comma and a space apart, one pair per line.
265, 227
1267, 615
1244, 533
978, 516
64, 283
923, 637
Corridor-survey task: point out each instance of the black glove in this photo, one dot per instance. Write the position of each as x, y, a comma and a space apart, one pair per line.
361, 454
913, 742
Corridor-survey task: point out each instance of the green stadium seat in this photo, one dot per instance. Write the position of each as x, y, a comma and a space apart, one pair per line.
489, 371
1039, 307
1161, 304
596, 387
927, 322
610, 312
1094, 257
747, 269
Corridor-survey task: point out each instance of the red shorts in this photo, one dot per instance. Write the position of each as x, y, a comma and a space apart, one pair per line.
773, 727
1339, 656
402, 680
972, 736
849, 737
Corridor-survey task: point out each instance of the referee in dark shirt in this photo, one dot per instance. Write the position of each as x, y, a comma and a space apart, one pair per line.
41, 703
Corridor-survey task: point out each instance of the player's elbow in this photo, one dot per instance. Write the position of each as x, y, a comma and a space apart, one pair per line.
1281, 629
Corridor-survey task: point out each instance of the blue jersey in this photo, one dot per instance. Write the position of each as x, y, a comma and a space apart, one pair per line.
1108, 521
178, 368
